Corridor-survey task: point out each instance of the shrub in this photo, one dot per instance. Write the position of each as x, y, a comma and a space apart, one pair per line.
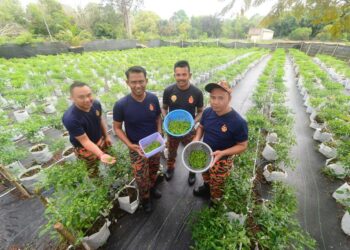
300, 34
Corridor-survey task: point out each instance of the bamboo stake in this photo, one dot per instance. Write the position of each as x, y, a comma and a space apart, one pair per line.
14, 181
65, 233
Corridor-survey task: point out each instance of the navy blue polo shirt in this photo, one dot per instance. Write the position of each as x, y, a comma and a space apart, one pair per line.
222, 132
139, 117
188, 99
78, 122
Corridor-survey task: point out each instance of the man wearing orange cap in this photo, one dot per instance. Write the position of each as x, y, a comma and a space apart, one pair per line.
226, 132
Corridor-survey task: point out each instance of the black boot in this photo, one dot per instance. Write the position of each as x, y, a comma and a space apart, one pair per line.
191, 178
147, 205
203, 190
155, 193
169, 174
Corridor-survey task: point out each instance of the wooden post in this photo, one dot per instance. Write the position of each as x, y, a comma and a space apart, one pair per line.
307, 52
235, 44
14, 181
335, 49
301, 47
65, 233
319, 49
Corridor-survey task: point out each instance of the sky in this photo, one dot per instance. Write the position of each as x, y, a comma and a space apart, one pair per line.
165, 9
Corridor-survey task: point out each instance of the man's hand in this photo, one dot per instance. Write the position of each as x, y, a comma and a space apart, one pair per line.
108, 141
107, 159
136, 148
217, 156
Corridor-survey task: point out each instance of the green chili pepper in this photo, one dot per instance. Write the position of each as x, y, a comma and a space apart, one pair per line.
152, 146
198, 159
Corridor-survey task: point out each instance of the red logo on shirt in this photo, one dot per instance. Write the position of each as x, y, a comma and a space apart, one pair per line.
151, 107
224, 128
190, 100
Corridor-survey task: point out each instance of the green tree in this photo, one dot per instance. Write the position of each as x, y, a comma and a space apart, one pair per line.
47, 16
300, 34
146, 22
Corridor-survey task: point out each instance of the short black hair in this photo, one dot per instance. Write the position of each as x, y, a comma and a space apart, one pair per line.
77, 84
135, 69
182, 64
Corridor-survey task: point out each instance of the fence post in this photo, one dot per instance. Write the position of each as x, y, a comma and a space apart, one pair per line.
307, 52
301, 47
14, 181
235, 44
319, 49
335, 49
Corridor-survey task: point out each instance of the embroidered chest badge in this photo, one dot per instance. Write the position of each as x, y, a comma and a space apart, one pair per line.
173, 98
224, 128
97, 113
151, 107
190, 100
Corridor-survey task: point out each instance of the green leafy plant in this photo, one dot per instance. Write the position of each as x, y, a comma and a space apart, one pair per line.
152, 146
197, 159
179, 127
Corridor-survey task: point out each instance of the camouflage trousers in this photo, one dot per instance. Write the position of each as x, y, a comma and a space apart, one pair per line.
90, 158
217, 175
145, 172
173, 144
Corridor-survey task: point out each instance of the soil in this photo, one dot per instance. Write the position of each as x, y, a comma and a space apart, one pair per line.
54, 159
96, 226
31, 173
38, 148
318, 119
253, 228
131, 192
68, 152
4, 184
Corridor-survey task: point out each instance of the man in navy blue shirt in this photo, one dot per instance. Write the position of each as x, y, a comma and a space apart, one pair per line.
140, 111
87, 130
226, 132
181, 95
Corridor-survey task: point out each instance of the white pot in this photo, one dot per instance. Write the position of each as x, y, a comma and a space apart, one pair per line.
345, 223
337, 168
232, 216
272, 138
15, 168
51, 99
342, 194
98, 239
274, 175
42, 156
316, 125
21, 115
269, 153
327, 151
49, 108
69, 157
29, 182
322, 136
31, 108
124, 201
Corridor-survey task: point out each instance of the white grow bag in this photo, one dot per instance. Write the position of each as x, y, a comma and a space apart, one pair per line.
342, 194
345, 223
42, 156
269, 153
322, 136
124, 201
21, 115
337, 168
98, 239
327, 151
232, 216
274, 175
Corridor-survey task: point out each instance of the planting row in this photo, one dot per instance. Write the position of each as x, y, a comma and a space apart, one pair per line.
244, 219
338, 70
328, 106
